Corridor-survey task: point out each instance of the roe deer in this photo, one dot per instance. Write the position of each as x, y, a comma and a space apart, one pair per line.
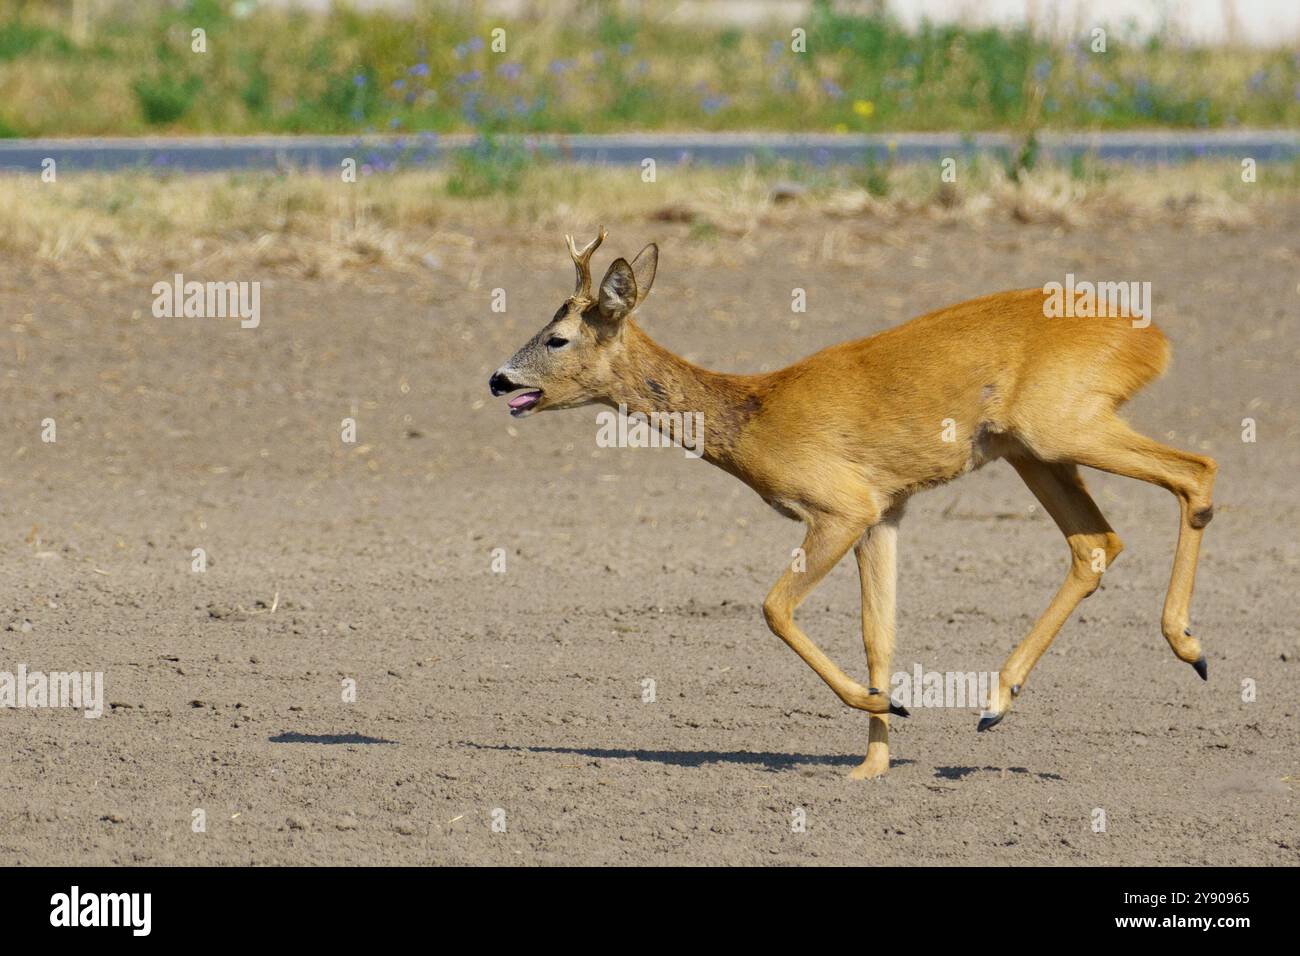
841, 440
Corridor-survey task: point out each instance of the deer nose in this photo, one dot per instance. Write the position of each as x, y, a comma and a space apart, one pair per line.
499, 383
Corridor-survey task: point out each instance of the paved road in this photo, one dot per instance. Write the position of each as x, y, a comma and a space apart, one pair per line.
197, 154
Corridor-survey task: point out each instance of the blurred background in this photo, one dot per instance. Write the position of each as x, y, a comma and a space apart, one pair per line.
128, 67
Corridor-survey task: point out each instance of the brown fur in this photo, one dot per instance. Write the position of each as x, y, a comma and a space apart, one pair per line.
840, 440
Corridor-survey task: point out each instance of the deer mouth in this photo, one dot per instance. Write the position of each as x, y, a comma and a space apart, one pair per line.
522, 403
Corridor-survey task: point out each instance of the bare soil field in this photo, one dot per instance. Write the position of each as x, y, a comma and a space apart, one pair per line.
499, 717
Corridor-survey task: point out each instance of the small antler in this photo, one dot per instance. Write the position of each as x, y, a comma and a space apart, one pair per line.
582, 263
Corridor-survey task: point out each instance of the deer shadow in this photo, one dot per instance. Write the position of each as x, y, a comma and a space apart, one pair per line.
960, 773
292, 737
767, 760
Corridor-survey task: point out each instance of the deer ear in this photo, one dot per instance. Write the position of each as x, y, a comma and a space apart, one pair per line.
617, 291
643, 268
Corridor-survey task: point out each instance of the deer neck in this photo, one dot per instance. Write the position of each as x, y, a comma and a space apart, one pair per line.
650, 380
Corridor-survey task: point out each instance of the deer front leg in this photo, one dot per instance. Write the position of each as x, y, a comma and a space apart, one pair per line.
877, 552
827, 541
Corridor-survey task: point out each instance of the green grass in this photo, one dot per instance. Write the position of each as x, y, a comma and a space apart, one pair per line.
271, 70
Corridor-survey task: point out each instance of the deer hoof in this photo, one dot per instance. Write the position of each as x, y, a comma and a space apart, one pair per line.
989, 720
1202, 667
893, 708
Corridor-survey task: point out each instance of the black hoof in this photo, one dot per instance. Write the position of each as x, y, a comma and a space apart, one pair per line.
1202, 668
893, 708
990, 720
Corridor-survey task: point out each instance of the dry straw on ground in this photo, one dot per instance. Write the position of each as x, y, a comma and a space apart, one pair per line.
316, 225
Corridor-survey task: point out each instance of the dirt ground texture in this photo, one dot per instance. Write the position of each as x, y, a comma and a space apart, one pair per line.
517, 697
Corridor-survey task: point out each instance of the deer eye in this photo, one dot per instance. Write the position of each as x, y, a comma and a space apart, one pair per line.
556, 342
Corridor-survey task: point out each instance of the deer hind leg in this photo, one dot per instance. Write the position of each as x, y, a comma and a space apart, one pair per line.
877, 552
1116, 448
1093, 546
827, 541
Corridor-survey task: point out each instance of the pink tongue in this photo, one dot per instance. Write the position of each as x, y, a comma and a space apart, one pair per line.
524, 400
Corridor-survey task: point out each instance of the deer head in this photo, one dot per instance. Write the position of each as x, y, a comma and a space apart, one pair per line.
568, 363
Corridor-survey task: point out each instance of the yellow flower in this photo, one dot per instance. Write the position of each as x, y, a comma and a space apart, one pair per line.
864, 108
841, 128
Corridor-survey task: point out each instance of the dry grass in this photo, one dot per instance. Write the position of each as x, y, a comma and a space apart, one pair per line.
315, 225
